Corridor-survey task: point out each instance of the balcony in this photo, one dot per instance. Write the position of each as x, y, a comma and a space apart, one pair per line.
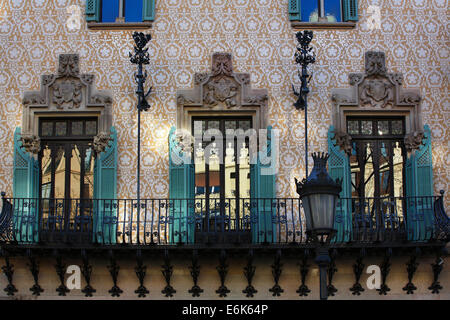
369, 222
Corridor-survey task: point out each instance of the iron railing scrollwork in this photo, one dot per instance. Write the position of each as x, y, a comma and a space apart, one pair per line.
227, 221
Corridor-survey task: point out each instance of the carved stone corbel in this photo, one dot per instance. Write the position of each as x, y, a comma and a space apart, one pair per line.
101, 142
31, 143
343, 141
413, 140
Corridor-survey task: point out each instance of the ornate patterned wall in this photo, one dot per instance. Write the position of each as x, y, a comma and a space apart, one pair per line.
413, 33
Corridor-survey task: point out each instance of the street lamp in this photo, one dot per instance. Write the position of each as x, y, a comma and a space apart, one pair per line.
140, 57
319, 194
304, 56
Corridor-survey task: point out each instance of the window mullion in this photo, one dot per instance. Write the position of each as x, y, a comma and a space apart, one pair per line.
121, 17
321, 9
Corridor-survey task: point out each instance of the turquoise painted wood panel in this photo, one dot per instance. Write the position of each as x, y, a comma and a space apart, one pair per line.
105, 193
350, 10
339, 168
263, 194
25, 193
148, 10
419, 189
181, 193
295, 10
93, 10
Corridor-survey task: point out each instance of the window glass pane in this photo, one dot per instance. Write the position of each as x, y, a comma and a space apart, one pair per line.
244, 171
88, 185
366, 127
46, 169
110, 10
91, 128
310, 11
47, 129
398, 170
61, 128
353, 127
75, 173
368, 171
213, 125
383, 127
230, 124
77, 128
397, 127
332, 10
60, 173
244, 125
133, 10
230, 171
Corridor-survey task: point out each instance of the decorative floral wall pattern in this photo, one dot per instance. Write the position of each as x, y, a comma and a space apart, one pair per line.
413, 34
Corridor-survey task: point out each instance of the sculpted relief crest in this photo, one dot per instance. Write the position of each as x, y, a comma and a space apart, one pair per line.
67, 91
378, 92
221, 90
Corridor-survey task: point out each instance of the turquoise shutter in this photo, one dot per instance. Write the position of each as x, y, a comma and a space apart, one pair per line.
350, 10
148, 10
105, 193
339, 167
419, 191
93, 10
181, 193
263, 194
295, 10
25, 193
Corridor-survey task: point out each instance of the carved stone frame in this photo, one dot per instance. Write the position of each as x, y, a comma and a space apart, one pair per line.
65, 94
377, 92
221, 92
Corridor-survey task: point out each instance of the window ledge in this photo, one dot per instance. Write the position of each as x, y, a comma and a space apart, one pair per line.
323, 25
118, 25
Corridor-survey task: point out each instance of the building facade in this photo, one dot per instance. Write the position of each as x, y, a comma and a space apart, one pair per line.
212, 220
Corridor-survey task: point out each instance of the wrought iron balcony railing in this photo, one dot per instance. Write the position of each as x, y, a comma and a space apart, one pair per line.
214, 221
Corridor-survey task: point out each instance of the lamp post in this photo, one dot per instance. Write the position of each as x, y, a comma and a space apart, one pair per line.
319, 194
140, 57
304, 56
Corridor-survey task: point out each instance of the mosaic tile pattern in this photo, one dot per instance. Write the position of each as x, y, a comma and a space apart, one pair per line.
413, 33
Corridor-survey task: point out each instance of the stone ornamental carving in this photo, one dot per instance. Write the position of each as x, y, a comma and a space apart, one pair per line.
101, 141
31, 143
344, 141
222, 90
67, 91
379, 92
413, 140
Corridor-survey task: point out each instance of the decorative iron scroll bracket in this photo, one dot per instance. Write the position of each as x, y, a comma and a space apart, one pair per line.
411, 268
249, 273
167, 271
140, 270
303, 290
8, 270
195, 273
114, 268
358, 269
222, 269
86, 271
61, 269
34, 269
276, 273
436, 267
385, 268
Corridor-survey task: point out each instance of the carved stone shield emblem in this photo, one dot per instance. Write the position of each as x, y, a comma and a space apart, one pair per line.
377, 92
221, 90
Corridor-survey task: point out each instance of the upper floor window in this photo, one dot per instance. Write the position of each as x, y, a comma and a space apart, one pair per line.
323, 13
119, 13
